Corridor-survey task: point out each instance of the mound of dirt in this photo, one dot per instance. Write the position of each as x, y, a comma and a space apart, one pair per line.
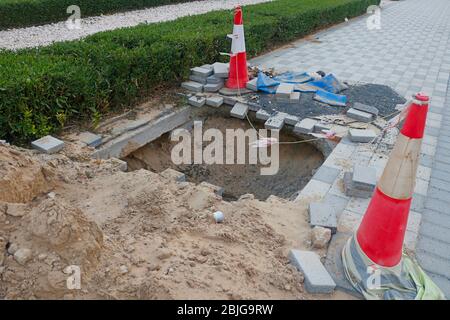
139, 235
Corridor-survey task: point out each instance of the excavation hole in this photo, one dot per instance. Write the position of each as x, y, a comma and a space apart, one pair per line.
297, 163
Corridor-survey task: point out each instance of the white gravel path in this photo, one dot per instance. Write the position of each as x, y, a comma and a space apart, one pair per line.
55, 32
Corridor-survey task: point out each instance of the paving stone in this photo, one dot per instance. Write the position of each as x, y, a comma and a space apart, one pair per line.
231, 101
320, 127
322, 215
291, 120
317, 278
192, 86
334, 266
361, 135
437, 218
366, 108
358, 205
337, 202
262, 115
353, 191
433, 246
214, 80
359, 115
197, 101
198, 79
349, 222
305, 126
326, 174
436, 232
202, 72
239, 110
364, 177
251, 85
284, 90
90, 139
48, 144
434, 264
220, 70
418, 202
253, 106
213, 87
208, 66
295, 97
275, 122
216, 101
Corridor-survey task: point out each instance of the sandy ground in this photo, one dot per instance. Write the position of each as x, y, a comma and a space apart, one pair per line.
138, 235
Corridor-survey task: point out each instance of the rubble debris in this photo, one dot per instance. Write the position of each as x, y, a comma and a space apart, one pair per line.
317, 278
276, 121
213, 87
361, 182
90, 139
305, 126
23, 255
359, 115
197, 101
239, 110
252, 84
173, 175
198, 79
201, 72
291, 120
192, 86
323, 215
215, 101
320, 237
366, 108
284, 91
220, 70
48, 144
262, 115
361, 135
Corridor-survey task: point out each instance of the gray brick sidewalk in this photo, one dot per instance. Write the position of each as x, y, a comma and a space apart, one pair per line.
410, 53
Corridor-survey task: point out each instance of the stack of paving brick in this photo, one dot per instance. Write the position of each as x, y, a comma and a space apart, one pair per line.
207, 78
361, 182
363, 113
285, 93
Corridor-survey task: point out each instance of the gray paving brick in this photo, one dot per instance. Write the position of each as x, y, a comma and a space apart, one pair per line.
322, 215
359, 115
442, 282
435, 231
326, 174
90, 139
337, 202
439, 194
359, 135
426, 160
435, 217
239, 110
305, 126
275, 122
48, 144
434, 264
435, 182
418, 202
317, 278
433, 246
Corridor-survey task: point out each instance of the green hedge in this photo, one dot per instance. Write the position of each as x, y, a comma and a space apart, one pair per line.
42, 89
22, 13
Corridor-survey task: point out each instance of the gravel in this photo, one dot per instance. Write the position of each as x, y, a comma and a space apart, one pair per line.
44, 35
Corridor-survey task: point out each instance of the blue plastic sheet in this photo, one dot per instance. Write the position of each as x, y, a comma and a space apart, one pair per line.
293, 77
266, 83
330, 98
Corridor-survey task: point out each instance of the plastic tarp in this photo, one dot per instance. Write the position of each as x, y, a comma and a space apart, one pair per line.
330, 98
326, 89
406, 281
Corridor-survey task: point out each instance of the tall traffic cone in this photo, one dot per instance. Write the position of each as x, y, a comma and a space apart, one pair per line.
238, 73
378, 242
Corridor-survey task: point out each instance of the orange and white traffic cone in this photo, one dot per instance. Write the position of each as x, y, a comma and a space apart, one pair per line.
383, 227
238, 73
378, 242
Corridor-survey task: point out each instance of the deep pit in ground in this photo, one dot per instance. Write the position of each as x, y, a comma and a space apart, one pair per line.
297, 164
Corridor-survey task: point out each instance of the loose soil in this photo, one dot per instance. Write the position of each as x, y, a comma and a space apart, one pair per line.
137, 235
